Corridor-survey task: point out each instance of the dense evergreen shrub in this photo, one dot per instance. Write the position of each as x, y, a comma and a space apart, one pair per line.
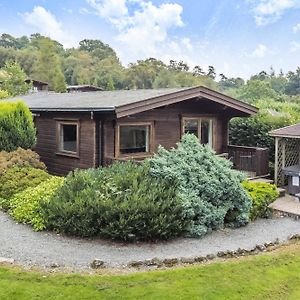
25, 206
118, 202
210, 191
20, 158
261, 194
16, 126
17, 179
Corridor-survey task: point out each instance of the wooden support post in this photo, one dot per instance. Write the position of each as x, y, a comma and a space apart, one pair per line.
283, 161
276, 160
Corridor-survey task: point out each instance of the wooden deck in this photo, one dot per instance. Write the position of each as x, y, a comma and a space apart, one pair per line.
286, 206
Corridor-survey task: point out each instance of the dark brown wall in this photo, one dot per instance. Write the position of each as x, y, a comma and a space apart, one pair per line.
47, 145
167, 124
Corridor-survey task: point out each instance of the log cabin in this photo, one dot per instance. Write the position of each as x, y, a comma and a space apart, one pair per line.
92, 129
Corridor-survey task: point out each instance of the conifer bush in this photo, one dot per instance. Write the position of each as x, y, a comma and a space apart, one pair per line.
119, 202
20, 158
16, 126
16, 179
210, 191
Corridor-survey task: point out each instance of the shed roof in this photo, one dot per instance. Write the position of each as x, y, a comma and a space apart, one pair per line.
127, 102
292, 131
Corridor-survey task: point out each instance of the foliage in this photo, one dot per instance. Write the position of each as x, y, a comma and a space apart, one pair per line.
16, 180
12, 80
16, 126
48, 66
118, 202
261, 194
3, 94
210, 190
25, 206
20, 158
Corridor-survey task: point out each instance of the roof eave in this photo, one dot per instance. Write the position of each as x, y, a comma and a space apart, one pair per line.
200, 92
104, 109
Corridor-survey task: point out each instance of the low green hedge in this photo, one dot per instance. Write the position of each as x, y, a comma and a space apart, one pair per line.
16, 179
261, 194
119, 202
25, 206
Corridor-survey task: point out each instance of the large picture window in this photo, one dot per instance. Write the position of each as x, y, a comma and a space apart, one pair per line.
200, 127
68, 137
134, 139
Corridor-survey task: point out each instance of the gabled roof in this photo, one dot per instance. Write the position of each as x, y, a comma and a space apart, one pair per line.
292, 131
128, 102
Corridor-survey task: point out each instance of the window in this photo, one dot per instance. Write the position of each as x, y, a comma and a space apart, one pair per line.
68, 137
134, 138
200, 127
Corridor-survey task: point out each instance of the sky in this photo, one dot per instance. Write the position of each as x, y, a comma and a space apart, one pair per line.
239, 38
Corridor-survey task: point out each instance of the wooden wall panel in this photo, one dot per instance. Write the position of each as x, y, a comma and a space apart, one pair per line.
167, 123
47, 146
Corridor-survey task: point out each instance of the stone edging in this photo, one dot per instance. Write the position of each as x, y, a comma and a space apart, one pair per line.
171, 262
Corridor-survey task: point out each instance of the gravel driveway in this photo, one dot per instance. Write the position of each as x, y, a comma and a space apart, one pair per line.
30, 248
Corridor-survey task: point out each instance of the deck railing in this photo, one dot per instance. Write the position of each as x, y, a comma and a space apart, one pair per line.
254, 161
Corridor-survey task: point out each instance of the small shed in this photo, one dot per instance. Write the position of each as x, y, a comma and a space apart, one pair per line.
38, 85
287, 150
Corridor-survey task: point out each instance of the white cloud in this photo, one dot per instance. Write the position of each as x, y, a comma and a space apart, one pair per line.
269, 11
109, 9
296, 28
47, 24
143, 32
295, 46
259, 52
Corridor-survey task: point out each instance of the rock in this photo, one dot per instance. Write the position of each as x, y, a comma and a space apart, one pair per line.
131, 237
260, 247
295, 237
221, 254
187, 260
54, 265
97, 264
211, 256
277, 241
169, 262
153, 262
7, 260
200, 259
135, 264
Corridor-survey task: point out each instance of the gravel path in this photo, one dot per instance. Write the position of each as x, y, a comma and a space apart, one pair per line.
30, 248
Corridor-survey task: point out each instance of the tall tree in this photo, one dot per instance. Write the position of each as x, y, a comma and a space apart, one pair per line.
12, 79
48, 66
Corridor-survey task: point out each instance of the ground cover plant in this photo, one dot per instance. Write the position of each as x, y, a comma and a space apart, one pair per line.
261, 194
269, 276
210, 191
25, 206
16, 126
119, 202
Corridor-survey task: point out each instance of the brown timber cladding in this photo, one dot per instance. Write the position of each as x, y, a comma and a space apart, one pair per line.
46, 124
168, 125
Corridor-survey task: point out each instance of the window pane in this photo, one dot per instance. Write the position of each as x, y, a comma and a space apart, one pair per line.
206, 132
134, 139
69, 138
191, 126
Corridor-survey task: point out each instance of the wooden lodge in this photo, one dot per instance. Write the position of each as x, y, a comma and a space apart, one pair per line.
91, 129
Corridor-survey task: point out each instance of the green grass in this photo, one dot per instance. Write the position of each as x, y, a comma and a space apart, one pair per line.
269, 276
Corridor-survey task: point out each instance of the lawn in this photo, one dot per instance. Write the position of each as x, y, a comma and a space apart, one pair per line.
273, 275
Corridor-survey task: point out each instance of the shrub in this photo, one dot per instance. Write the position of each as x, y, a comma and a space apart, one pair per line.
16, 179
261, 194
16, 126
20, 158
210, 190
118, 202
25, 206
